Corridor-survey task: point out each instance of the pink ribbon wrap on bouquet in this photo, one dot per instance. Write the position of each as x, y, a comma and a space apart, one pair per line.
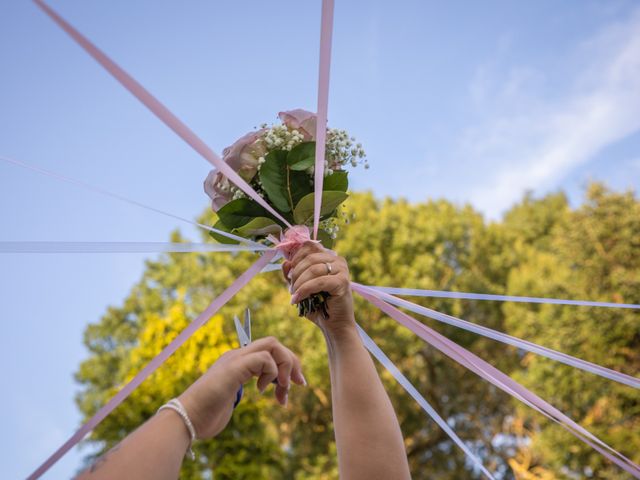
292, 240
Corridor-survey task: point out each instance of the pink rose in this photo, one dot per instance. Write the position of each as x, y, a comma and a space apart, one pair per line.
213, 186
243, 155
301, 120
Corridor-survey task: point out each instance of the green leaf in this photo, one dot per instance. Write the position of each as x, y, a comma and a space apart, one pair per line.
274, 177
325, 239
337, 181
221, 238
239, 212
258, 227
300, 185
302, 156
330, 201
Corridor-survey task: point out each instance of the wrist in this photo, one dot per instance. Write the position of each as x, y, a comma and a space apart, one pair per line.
192, 410
175, 423
174, 413
343, 336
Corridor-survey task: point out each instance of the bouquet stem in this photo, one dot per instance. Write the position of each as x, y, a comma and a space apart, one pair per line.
315, 303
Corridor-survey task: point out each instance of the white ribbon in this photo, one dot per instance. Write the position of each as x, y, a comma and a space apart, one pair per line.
415, 292
123, 247
417, 396
508, 339
102, 191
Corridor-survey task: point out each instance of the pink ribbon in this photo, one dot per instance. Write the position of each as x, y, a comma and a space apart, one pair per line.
499, 379
291, 240
288, 244
508, 339
326, 32
192, 139
158, 109
420, 400
151, 367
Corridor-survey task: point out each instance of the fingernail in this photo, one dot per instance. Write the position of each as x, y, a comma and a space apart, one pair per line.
304, 380
294, 298
286, 399
290, 274
262, 389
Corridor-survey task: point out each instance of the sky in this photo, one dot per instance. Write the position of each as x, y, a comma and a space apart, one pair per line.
476, 102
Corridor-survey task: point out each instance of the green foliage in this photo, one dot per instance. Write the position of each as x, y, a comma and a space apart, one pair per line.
302, 156
273, 175
284, 186
330, 201
259, 226
219, 225
239, 212
337, 181
284, 179
541, 248
593, 253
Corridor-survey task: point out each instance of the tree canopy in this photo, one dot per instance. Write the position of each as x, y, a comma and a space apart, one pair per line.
542, 247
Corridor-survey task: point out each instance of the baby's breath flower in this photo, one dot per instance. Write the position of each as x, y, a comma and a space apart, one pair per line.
342, 151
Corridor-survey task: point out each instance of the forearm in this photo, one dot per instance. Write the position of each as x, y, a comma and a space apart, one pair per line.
153, 451
368, 436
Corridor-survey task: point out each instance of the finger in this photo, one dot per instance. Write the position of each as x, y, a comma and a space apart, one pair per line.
296, 372
280, 354
282, 392
335, 285
312, 259
285, 364
286, 270
282, 395
296, 368
307, 249
315, 271
262, 365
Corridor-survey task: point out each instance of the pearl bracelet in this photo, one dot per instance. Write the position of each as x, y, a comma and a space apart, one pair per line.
175, 405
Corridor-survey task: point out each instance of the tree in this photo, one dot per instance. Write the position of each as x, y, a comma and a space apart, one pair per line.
588, 253
432, 245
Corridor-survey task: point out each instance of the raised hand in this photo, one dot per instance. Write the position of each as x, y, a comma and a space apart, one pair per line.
209, 401
314, 269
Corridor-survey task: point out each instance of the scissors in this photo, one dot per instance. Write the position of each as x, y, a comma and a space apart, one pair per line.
244, 337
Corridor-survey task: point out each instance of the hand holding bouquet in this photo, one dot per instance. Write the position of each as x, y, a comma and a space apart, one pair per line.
278, 162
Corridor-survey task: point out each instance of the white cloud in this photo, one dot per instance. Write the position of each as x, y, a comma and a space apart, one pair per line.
532, 141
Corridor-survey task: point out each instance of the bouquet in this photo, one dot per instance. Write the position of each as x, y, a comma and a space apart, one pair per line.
278, 161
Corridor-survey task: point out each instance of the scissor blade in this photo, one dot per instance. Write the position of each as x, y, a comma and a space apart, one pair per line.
247, 323
242, 335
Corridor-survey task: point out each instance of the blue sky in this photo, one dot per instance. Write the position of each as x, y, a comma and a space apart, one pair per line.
473, 101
